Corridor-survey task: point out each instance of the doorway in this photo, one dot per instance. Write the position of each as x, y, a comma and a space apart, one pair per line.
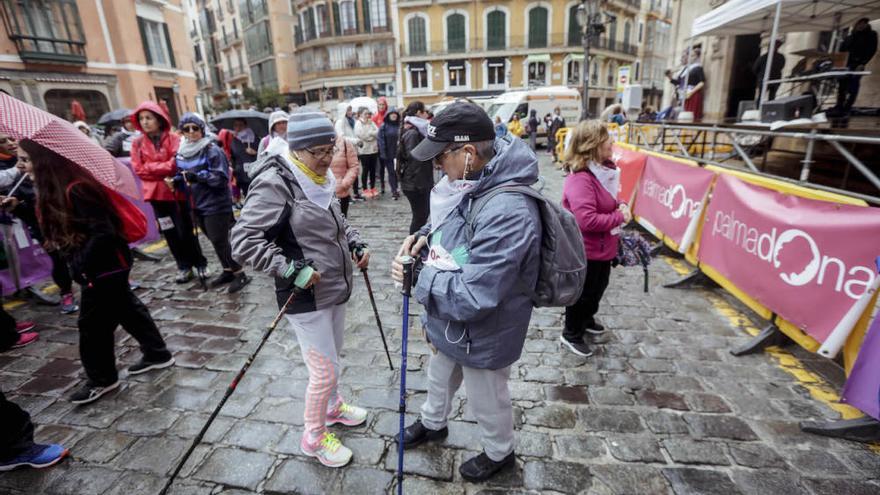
746, 49
167, 95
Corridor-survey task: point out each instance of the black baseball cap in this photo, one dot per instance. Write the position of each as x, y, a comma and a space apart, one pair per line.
461, 122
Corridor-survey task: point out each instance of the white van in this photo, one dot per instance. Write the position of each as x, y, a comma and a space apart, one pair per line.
543, 101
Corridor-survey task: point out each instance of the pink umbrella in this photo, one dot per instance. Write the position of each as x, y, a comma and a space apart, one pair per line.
23, 121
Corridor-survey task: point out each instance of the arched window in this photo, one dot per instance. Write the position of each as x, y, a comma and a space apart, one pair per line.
575, 32
496, 30
93, 102
417, 37
538, 27
376, 16
612, 34
455, 33
348, 17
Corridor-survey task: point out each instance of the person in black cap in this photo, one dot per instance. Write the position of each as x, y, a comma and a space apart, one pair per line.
476, 312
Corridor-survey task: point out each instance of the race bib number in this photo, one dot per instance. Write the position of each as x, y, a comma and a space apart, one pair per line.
165, 223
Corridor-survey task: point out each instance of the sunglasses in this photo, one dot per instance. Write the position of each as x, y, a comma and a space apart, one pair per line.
191, 128
439, 158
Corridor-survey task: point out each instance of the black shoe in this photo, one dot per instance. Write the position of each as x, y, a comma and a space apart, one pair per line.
578, 347
395, 196
202, 272
184, 276
417, 434
481, 468
91, 392
595, 328
239, 282
358, 197
224, 278
144, 366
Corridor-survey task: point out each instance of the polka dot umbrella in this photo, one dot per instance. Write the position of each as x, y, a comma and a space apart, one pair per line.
22, 121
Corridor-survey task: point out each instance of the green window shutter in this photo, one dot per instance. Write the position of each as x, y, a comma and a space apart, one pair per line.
538, 27
496, 36
337, 25
143, 29
169, 45
417, 42
574, 29
455, 35
366, 10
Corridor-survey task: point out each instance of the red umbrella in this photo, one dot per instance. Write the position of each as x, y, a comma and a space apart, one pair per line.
76, 110
23, 121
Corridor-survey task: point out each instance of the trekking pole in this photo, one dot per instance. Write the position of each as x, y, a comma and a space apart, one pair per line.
376, 313
192, 215
230, 390
407, 262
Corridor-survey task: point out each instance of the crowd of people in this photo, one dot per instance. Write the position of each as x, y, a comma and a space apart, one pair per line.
474, 281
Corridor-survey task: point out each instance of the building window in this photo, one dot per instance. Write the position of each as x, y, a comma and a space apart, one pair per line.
594, 74
612, 34
376, 16
93, 102
455, 33
263, 75
496, 30
418, 76
627, 32
496, 72
307, 18
322, 20
418, 44
538, 27
337, 26
575, 33
157, 43
457, 74
45, 30
574, 72
612, 74
537, 73
348, 17
198, 53
349, 92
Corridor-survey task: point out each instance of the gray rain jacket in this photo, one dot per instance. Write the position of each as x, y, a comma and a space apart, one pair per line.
278, 224
478, 315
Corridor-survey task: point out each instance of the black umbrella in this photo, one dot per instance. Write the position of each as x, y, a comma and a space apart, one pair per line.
114, 117
257, 121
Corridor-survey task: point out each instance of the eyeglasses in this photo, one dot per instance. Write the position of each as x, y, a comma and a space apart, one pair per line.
439, 158
191, 128
324, 153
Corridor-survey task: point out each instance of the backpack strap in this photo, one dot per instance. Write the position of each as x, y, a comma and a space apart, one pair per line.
478, 206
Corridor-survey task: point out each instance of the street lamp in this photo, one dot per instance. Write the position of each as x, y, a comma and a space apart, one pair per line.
585, 17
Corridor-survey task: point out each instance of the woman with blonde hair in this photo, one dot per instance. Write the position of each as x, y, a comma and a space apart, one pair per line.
590, 193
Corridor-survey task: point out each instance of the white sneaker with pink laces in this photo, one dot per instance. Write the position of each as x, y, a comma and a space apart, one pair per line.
327, 449
347, 415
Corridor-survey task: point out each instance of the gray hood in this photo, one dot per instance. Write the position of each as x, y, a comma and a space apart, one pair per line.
513, 162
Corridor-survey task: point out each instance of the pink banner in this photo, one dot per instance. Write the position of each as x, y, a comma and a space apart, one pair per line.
862, 388
806, 260
26, 263
631, 164
670, 194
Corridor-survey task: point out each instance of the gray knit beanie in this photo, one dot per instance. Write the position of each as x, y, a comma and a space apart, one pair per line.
307, 128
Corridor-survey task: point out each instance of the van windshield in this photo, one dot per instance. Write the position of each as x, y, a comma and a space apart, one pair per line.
503, 110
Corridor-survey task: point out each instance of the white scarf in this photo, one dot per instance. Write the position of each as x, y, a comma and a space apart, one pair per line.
321, 195
446, 196
608, 177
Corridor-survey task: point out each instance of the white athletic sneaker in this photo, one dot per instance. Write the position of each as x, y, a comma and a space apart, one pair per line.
327, 449
347, 415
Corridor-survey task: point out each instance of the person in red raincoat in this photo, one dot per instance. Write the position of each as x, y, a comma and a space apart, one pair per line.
153, 160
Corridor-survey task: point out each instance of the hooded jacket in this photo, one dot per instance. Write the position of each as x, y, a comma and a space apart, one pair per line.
120, 144
345, 167
367, 134
278, 224
861, 45
205, 164
413, 174
153, 163
477, 315
389, 135
344, 129
595, 210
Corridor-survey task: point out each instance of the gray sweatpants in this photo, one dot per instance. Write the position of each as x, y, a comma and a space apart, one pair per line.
487, 397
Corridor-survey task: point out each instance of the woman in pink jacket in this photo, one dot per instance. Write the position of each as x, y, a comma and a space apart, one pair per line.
345, 167
590, 193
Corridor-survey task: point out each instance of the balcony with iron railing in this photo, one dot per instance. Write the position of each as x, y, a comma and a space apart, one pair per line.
46, 44
555, 41
235, 73
306, 40
353, 63
229, 40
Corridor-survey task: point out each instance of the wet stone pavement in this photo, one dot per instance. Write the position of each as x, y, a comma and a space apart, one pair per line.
661, 408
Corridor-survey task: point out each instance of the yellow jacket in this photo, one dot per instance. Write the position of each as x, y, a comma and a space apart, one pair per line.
516, 128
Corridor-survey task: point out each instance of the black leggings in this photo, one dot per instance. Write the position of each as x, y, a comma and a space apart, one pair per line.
17, 433
580, 315
8, 336
420, 202
368, 170
179, 233
106, 304
216, 229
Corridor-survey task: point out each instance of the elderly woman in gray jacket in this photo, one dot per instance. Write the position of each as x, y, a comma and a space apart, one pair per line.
292, 227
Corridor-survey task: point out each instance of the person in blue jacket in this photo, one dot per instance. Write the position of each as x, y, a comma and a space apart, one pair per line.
203, 173
389, 135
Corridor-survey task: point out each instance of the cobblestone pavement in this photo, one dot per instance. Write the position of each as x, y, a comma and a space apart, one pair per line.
661, 408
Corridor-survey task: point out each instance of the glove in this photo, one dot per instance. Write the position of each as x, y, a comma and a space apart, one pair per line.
189, 177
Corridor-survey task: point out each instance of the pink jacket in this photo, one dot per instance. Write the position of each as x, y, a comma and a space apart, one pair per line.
596, 213
153, 164
345, 167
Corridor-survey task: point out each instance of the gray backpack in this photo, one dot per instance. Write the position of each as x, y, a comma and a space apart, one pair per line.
563, 261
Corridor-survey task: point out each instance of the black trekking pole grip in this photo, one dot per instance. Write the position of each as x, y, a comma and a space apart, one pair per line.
407, 262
